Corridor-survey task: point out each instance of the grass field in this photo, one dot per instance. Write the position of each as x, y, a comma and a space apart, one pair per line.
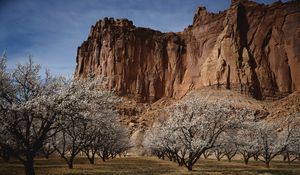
149, 165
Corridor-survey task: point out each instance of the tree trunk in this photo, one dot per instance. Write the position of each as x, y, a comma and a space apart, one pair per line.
246, 160
5, 158
218, 155
206, 156
180, 162
5, 155
229, 157
288, 158
91, 158
284, 157
28, 164
70, 165
190, 167
268, 164
189, 163
70, 162
255, 157
92, 161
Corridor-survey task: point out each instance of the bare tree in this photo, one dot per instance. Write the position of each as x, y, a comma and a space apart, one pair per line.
207, 153
75, 132
195, 126
271, 141
226, 145
246, 139
72, 138
292, 152
39, 114
111, 141
27, 113
90, 124
162, 143
108, 137
219, 152
47, 150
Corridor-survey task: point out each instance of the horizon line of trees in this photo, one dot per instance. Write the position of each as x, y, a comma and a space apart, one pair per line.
52, 114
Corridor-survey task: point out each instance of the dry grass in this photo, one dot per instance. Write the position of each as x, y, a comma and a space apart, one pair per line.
150, 165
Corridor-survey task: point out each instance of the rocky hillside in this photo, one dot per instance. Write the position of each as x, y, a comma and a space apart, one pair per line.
250, 48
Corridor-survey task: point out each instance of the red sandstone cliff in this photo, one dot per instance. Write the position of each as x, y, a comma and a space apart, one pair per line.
250, 47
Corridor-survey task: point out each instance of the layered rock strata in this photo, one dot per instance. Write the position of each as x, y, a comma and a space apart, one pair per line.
252, 48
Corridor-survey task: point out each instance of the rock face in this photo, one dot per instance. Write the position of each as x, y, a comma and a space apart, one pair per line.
251, 48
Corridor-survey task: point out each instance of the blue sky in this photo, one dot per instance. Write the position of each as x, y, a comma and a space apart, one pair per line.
51, 30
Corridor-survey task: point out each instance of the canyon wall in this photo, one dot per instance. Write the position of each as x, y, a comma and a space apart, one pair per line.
251, 48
